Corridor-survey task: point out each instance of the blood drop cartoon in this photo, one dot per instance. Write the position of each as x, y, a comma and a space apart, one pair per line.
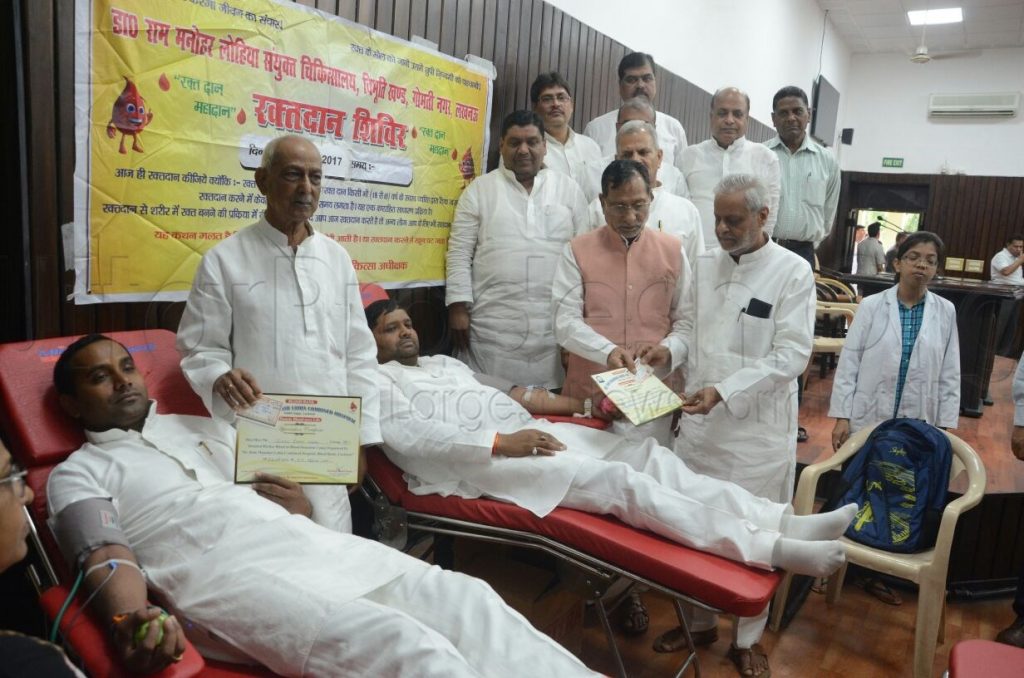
129, 116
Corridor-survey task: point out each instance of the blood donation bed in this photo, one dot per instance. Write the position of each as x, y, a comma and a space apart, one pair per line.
603, 549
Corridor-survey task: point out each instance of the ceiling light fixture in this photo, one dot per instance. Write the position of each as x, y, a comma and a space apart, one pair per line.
930, 17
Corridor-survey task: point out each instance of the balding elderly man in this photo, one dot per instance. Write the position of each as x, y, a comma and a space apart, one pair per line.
744, 345
636, 79
276, 307
669, 213
728, 152
669, 177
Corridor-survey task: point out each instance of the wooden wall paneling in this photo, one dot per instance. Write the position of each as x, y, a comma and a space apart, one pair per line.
533, 45
366, 11
506, 73
545, 62
568, 58
45, 243
591, 74
477, 28
433, 30
418, 18
461, 19
600, 76
346, 9
525, 55
384, 17
400, 19
448, 26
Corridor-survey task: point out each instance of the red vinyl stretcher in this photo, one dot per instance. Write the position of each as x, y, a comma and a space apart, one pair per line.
39, 436
604, 549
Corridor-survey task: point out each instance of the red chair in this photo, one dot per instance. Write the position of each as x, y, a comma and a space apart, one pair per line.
985, 659
40, 436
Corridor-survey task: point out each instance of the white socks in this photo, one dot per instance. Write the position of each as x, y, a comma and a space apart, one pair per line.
813, 558
818, 526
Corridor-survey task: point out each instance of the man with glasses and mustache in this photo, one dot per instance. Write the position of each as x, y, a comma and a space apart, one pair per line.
570, 153
619, 291
636, 79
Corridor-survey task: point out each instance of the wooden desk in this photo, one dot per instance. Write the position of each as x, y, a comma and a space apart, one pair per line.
977, 304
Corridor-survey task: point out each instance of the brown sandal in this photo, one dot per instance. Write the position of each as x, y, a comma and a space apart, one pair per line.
635, 619
674, 640
746, 661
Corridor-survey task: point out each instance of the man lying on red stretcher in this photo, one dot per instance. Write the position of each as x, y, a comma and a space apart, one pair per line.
452, 434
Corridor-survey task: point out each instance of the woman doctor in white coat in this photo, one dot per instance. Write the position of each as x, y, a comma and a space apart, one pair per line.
901, 357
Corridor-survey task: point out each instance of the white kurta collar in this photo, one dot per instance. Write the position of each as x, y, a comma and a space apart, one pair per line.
510, 176
735, 148
277, 237
757, 256
115, 434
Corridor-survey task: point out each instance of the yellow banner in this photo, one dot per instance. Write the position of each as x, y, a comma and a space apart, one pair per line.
176, 99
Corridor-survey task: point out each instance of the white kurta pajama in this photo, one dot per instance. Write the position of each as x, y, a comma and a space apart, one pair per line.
580, 157
864, 387
439, 425
278, 588
750, 437
502, 251
294, 319
706, 163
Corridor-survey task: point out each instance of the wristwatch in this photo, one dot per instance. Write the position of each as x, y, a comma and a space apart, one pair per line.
588, 408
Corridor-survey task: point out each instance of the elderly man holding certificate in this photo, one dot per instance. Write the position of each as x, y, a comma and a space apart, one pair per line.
276, 308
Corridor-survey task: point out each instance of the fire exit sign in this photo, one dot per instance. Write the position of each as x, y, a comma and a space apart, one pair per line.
892, 162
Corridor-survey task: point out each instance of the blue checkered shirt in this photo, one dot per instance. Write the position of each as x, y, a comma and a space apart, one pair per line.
910, 322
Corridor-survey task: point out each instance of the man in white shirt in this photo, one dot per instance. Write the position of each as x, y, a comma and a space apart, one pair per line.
455, 435
668, 212
871, 252
809, 173
1006, 269
574, 154
746, 342
636, 79
252, 579
728, 152
276, 307
509, 228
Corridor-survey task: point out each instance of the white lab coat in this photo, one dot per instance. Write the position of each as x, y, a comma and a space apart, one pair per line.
502, 253
669, 213
294, 319
1018, 395
671, 135
705, 164
864, 388
750, 437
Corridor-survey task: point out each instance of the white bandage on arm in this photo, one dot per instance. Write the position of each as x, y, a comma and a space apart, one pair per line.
86, 525
113, 563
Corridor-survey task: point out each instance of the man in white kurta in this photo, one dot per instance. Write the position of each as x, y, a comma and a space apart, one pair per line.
668, 213
728, 152
810, 177
1006, 268
636, 79
570, 153
276, 308
745, 344
454, 435
509, 228
253, 582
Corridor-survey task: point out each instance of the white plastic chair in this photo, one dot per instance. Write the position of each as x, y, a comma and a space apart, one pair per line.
928, 569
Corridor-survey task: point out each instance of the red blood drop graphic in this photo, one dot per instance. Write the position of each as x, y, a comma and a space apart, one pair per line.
455, 154
413, 132
165, 84
241, 116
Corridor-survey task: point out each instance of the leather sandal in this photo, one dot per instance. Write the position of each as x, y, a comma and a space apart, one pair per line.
674, 639
635, 619
744, 660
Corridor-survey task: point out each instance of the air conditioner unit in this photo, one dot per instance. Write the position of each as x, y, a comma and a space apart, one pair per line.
997, 104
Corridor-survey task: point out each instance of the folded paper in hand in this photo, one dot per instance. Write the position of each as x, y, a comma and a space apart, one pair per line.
641, 397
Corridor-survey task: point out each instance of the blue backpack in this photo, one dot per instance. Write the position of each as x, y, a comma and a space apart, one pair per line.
899, 479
